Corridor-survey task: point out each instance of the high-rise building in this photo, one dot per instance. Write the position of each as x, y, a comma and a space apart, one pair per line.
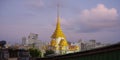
32, 38
91, 44
24, 41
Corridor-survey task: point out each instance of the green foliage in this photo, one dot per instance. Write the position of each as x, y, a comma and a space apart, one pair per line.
35, 52
48, 52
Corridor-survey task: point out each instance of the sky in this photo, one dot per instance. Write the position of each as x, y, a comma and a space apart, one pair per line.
80, 19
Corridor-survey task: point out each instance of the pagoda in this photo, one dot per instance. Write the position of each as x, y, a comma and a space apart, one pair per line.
58, 39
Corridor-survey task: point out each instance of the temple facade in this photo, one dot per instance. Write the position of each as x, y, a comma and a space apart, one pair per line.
58, 40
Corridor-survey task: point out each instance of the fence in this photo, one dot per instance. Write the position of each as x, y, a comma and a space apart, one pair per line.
111, 52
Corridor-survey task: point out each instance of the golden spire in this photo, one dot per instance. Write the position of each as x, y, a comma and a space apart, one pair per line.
58, 31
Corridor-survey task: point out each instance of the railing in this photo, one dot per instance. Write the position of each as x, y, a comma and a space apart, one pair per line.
111, 52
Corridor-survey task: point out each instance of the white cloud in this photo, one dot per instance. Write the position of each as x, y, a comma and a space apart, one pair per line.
36, 3
99, 13
100, 23
98, 18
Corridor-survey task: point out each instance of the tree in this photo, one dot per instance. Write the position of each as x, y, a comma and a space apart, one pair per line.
35, 52
49, 52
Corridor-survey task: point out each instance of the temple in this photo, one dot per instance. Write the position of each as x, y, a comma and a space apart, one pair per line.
58, 42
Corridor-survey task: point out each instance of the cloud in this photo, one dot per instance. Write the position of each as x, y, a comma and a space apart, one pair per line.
100, 12
96, 19
36, 3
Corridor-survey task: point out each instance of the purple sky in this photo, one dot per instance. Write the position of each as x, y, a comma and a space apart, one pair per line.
80, 19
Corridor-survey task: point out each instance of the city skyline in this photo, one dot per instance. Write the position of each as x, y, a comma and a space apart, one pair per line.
80, 19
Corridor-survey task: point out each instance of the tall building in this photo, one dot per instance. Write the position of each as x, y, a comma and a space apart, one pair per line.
24, 41
32, 42
32, 38
59, 43
91, 44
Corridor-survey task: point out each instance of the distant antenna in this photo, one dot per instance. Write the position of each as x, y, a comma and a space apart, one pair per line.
58, 7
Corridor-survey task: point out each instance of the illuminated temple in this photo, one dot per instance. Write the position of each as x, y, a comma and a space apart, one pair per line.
58, 41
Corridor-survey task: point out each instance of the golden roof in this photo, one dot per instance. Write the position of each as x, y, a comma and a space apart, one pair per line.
63, 42
73, 48
53, 42
58, 31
